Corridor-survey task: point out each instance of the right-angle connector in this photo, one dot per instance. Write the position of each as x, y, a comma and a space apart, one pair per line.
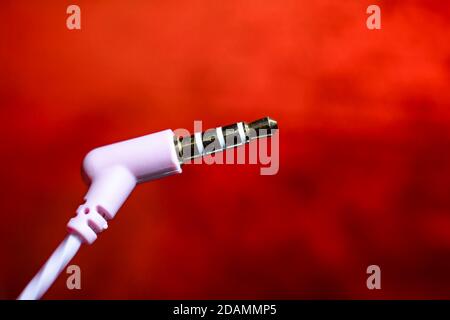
115, 169
215, 140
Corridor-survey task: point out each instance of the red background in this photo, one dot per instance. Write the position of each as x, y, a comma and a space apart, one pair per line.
364, 132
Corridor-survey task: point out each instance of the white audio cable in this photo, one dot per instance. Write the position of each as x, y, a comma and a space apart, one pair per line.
52, 268
115, 169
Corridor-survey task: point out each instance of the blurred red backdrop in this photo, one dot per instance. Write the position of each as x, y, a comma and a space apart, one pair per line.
364, 132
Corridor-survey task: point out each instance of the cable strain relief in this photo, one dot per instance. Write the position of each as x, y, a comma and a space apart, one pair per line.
107, 192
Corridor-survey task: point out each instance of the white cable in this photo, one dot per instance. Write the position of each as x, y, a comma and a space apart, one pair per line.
52, 268
114, 170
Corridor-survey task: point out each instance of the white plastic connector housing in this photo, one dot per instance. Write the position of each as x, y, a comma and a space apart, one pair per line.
114, 170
